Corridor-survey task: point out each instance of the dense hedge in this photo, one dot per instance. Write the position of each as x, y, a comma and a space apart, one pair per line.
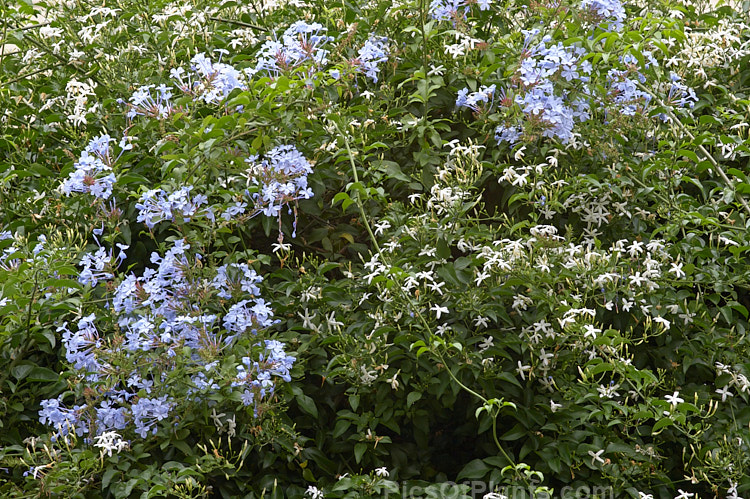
412, 249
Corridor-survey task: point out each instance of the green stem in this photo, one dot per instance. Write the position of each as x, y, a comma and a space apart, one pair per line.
63, 61
495, 411
5, 32
238, 23
356, 179
26, 75
706, 154
20, 352
423, 14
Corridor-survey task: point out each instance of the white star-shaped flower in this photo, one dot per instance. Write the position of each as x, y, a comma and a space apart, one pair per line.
674, 399
439, 311
596, 457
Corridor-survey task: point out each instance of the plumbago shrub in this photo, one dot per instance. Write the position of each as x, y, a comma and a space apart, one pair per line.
421, 249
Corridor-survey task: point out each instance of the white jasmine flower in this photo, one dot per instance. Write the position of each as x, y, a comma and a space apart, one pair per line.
664, 322
314, 492
110, 441
439, 311
521, 369
674, 399
677, 270
596, 456
486, 344
481, 321
724, 392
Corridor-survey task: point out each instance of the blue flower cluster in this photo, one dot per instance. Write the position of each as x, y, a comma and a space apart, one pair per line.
147, 411
624, 92
454, 10
480, 101
98, 265
162, 317
156, 205
610, 12
281, 177
235, 279
142, 103
372, 53
680, 94
545, 106
551, 89
61, 418
255, 377
169, 316
93, 173
210, 81
300, 43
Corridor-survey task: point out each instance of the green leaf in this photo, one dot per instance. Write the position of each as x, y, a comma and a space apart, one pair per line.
42, 374
307, 404
354, 401
473, 470
327, 266
413, 397
660, 425
514, 433
107, 477
359, 451
21, 371
689, 154
341, 426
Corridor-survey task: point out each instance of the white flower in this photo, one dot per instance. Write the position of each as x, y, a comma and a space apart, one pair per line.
664, 322
481, 277
314, 492
674, 399
441, 329
521, 369
439, 311
456, 50
596, 456
480, 321
494, 495
110, 441
554, 406
544, 356
724, 392
677, 270
394, 383
367, 377
608, 391
436, 70
381, 226
435, 286
590, 330
427, 251
486, 344
307, 319
635, 249
383, 472
332, 322
683, 494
